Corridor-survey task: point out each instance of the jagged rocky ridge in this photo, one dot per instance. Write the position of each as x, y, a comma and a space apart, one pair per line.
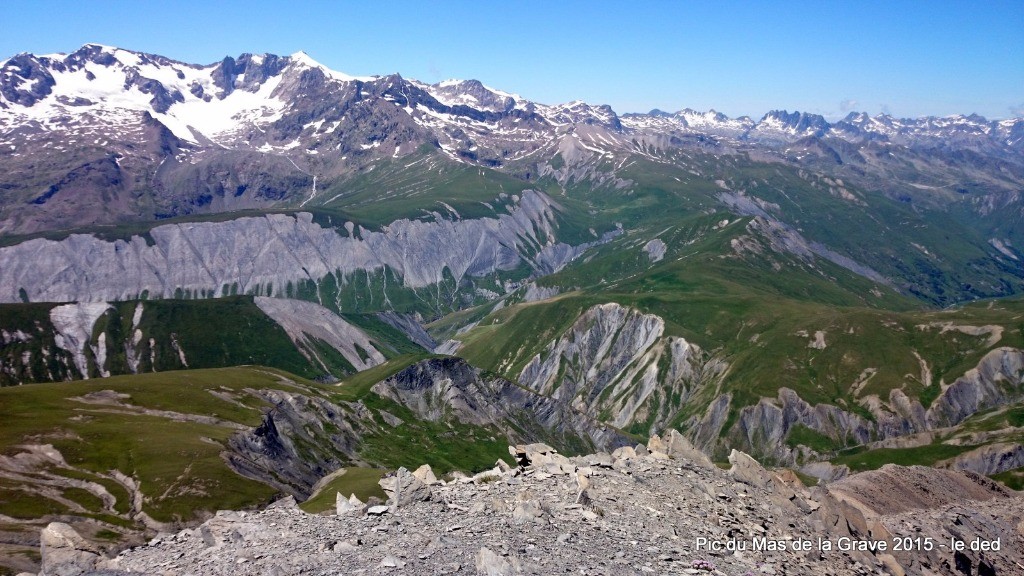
649, 509
434, 390
615, 364
267, 254
449, 387
998, 380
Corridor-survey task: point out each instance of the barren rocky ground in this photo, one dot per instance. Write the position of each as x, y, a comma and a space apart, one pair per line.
656, 509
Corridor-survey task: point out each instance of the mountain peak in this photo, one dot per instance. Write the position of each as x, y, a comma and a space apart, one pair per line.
304, 60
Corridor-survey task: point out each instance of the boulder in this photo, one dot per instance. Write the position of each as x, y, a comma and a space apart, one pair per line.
345, 505
404, 488
656, 444
624, 453
600, 459
488, 475
747, 470
490, 564
426, 475
678, 447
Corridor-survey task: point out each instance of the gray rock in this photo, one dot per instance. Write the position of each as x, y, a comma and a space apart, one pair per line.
425, 474
66, 553
390, 561
748, 471
991, 459
346, 505
677, 446
404, 488
490, 564
655, 249
265, 253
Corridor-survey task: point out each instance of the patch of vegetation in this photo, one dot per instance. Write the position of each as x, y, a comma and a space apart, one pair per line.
860, 459
1012, 479
363, 482
177, 462
820, 443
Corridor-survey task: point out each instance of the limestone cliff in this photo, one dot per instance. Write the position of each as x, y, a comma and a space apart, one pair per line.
264, 255
450, 387
763, 429
616, 364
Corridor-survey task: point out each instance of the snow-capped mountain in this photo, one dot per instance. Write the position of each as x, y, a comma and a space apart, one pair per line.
104, 135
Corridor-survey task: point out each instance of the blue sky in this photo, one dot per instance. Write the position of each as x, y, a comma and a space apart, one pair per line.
741, 58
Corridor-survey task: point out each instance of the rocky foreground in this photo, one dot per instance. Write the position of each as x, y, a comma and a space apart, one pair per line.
662, 508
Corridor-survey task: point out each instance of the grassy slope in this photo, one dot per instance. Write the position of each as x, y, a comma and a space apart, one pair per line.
241, 334
177, 460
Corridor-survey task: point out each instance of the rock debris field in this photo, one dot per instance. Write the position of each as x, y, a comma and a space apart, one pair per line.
662, 508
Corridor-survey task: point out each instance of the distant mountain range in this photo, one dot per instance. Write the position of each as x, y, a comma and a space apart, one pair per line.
105, 135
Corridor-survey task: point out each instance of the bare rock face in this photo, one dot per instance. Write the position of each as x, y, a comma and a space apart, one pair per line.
263, 255
762, 429
615, 360
991, 459
655, 249
678, 447
997, 380
270, 453
66, 553
305, 320
74, 325
442, 387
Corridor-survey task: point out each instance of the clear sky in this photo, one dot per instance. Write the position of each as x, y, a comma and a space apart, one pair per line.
926, 57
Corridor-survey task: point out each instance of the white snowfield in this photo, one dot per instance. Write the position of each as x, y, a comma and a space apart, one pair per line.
91, 95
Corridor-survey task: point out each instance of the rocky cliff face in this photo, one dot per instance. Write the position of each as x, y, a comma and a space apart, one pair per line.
996, 381
301, 439
306, 322
268, 254
766, 425
615, 364
991, 459
762, 429
449, 387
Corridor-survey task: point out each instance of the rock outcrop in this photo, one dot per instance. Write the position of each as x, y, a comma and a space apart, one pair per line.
264, 255
616, 362
443, 387
65, 553
73, 325
97, 339
990, 459
305, 320
997, 380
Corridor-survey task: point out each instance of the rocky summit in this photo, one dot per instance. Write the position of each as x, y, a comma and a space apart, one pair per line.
659, 508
